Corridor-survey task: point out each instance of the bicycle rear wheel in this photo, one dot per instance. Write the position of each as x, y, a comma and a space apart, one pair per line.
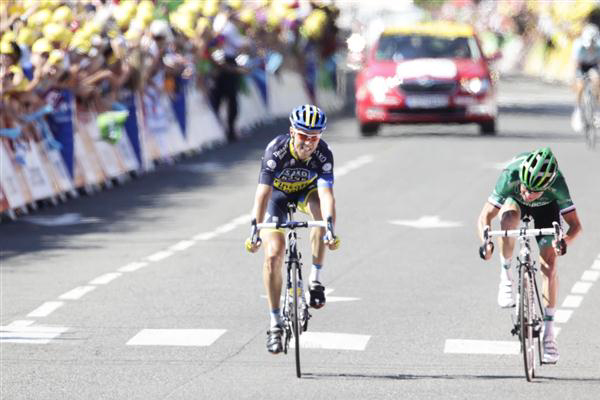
526, 312
295, 324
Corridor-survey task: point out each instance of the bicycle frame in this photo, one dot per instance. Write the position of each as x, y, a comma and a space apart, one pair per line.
295, 309
530, 311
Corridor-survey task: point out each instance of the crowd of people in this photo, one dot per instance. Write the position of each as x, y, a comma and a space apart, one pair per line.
97, 54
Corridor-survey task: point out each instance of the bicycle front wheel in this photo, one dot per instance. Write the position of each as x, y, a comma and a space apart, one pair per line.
526, 312
295, 325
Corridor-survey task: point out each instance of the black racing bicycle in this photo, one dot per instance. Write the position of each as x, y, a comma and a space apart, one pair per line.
295, 313
529, 319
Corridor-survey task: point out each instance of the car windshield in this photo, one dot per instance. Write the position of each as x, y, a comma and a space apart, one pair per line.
404, 47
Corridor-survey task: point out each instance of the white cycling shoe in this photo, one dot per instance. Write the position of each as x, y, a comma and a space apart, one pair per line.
551, 355
506, 295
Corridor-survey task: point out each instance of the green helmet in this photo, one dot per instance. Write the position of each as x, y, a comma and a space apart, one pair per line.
539, 170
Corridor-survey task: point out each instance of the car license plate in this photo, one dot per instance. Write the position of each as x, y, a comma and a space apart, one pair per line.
427, 101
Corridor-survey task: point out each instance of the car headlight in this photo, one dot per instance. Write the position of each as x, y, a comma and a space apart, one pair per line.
475, 85
378, 87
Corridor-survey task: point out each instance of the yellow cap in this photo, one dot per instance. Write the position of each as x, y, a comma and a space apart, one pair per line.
235, 4
6, 48
54, 32
201, 25
62, 14
56, 57
19, 79
9, 36
145, 6
40, 18
26, 36
41, 46
247, 16
194, 6
80, 45
211, 8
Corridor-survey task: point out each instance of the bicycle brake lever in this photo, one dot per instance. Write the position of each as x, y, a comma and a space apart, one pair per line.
254, 232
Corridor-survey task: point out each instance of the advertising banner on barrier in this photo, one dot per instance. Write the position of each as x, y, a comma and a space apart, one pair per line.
35, 173
61, 175
85, 153
11, 184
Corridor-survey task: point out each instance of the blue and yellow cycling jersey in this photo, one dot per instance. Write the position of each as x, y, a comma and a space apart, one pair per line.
283, 170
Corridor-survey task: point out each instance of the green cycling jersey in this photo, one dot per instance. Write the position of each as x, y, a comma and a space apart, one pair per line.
508, 186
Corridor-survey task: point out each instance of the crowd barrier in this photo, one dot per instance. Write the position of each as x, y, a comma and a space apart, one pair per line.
94, 154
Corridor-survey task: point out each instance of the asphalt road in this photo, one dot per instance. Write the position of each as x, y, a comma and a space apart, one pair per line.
145, 291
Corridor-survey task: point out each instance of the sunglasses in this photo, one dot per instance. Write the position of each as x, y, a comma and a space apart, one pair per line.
528, 192
307, 138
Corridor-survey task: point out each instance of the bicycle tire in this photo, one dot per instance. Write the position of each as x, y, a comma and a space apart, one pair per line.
590, 108
295, 324
526, 322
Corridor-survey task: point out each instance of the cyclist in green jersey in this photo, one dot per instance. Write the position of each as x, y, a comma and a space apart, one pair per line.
531, 184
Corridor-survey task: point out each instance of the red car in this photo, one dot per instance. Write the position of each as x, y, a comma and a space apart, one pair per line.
433, 72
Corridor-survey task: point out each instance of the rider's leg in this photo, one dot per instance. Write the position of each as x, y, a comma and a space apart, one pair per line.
274, 244
510, 215
550, 276
316, 289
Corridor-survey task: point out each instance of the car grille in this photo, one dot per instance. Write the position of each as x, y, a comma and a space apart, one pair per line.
442, 111
427, 86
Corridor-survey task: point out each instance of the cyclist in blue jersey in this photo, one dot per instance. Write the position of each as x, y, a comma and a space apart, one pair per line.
296, 167
531, 184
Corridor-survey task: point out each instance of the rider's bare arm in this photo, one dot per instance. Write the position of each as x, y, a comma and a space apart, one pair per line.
572, 220
488, 213
261, 199
327, 202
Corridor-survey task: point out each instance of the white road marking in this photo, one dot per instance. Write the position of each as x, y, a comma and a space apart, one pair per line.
76, 293
46, 309
596, 265
176, 337
133, 266
334, 299
183, 245
352, 165
332, 341
572, 301
590, 276
226, 228
427, 221
160, 255
460, 346
581, 287
30, 334
205, 236
106, 278
562, 316
20, 323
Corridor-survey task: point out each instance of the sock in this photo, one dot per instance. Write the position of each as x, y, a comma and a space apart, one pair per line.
549, 322
275, 317
315, 273
505, 272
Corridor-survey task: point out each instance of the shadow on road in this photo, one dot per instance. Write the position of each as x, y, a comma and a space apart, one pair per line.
119, 209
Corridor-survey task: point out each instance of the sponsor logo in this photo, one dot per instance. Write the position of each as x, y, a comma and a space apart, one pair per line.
322, 158
271, 164
279, 154
294, 174
290, 187
327, 167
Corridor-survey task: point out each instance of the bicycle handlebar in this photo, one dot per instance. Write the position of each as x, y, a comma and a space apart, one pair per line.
556, 231
292, 224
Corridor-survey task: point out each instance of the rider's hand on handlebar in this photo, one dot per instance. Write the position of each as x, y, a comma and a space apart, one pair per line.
560, 247
253, 242
486, 250
332, 241
252, 247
